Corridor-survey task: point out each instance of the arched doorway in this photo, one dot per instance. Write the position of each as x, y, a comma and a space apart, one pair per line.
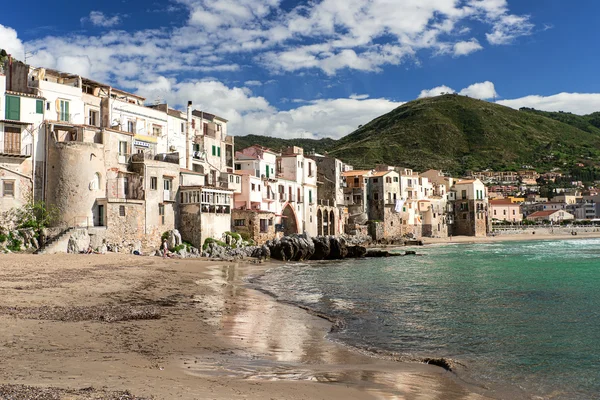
290, 225
325, 223
331, 223
319, 223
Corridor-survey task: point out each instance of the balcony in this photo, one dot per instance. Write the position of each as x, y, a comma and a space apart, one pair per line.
168, 195
282, 197
9, 150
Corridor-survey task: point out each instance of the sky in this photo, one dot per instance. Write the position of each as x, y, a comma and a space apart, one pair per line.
318, 68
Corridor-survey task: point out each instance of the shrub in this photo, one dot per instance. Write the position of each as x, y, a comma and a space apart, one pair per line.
3, 238
211, 240
245, 236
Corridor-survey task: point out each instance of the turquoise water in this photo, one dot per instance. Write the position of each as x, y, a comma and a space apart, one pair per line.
523, 316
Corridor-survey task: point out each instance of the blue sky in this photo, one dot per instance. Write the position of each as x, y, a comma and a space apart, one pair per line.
318, 68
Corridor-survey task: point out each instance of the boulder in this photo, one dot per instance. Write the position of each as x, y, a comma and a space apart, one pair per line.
356, 251
338, 247
322, 248
173, 238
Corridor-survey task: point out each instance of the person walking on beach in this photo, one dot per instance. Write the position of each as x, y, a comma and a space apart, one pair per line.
165, 247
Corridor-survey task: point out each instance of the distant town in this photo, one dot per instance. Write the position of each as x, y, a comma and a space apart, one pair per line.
128, 172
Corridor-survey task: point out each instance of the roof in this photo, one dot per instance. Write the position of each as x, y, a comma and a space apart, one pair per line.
189, 171
21, 94
355, 173
380, 173
543, 213
502, 202
465, 182
208, 116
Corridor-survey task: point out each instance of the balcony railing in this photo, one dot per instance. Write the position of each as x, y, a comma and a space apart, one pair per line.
282, 197
15, 151
168, 195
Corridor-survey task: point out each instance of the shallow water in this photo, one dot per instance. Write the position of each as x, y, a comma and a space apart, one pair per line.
518, 315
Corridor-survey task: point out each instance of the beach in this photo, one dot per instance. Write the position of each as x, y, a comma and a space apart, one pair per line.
540, 234
111, 326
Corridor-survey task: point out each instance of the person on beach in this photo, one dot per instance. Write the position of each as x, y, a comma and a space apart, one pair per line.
165, 247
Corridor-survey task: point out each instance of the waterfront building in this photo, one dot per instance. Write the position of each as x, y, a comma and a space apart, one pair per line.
553, 216
470, 208
505, 211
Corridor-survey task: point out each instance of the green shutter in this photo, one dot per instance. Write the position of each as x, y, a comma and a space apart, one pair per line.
39, 106
13, 108
267, 171
213, 150
219, 151
67, 113
310, 196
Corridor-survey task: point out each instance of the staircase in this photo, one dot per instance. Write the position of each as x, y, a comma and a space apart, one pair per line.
57, 244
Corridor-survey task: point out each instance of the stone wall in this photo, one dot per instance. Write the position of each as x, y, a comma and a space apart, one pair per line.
470, 218
252, 224
196, 226
128, 230
22, 185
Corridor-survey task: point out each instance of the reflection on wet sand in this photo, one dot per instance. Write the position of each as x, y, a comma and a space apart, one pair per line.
276, 341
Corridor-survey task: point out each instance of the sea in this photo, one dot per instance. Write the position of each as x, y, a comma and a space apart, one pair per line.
516, 317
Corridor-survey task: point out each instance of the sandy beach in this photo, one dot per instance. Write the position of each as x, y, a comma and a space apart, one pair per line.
126, 327
541, 234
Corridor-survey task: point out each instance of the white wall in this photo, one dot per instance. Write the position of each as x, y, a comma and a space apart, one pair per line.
55, 91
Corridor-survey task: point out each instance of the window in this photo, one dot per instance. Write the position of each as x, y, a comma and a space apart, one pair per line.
375, 180
153, 183
238, 166
182, 127
161, 213
39, 106
8, 188
264, 227
504, 213
514, 212
13, 108
218, 152
156, 130
253, 187
12, 140
214, 150
395, 179
494, 212
388, 180
375, 196
310, 197
63, 111
131, 126
464, 194
121, 211
239, 222
356, 180
93, 118
237, 179
167, 183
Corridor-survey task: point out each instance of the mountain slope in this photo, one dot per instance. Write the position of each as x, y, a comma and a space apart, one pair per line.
457, 133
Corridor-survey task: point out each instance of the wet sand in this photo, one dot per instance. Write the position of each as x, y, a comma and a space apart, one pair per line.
92, 327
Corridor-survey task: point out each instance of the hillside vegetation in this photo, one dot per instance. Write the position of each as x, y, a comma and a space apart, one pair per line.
457, 133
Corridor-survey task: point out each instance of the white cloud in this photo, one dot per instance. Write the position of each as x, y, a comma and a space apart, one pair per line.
577, 103
10, 42
436, 91
467, 47
253, 83
98, 18
248, 114
484, 91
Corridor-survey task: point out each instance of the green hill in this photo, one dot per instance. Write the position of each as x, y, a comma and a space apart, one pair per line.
277, 144
457, 133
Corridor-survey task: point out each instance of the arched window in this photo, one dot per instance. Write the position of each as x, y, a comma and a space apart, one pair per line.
95, 184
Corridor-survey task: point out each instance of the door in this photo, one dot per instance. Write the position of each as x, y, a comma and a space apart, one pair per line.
100, 220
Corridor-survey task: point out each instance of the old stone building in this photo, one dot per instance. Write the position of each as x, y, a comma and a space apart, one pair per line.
470, 208
255, 224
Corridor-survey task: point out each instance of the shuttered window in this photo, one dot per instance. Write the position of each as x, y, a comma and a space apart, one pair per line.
13, 108
219, 151
12, 140
39, 106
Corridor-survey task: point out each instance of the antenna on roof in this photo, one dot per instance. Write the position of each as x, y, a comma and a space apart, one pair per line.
26, 54
158, 101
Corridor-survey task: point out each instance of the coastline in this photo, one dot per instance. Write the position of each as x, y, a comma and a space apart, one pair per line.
516, 237
80, 321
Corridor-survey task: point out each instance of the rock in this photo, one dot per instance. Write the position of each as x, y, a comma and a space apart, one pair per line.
339, 250
381, 253
322, 248
173, 238
356, 251
410, 253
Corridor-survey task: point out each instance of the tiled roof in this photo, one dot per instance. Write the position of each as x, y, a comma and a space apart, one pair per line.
355, 173
380, 173
543, 213
500, 202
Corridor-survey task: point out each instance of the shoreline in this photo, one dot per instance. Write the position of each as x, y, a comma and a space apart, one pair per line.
516, 237
77, 321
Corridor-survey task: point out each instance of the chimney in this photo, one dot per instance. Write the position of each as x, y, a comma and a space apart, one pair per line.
188, 134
